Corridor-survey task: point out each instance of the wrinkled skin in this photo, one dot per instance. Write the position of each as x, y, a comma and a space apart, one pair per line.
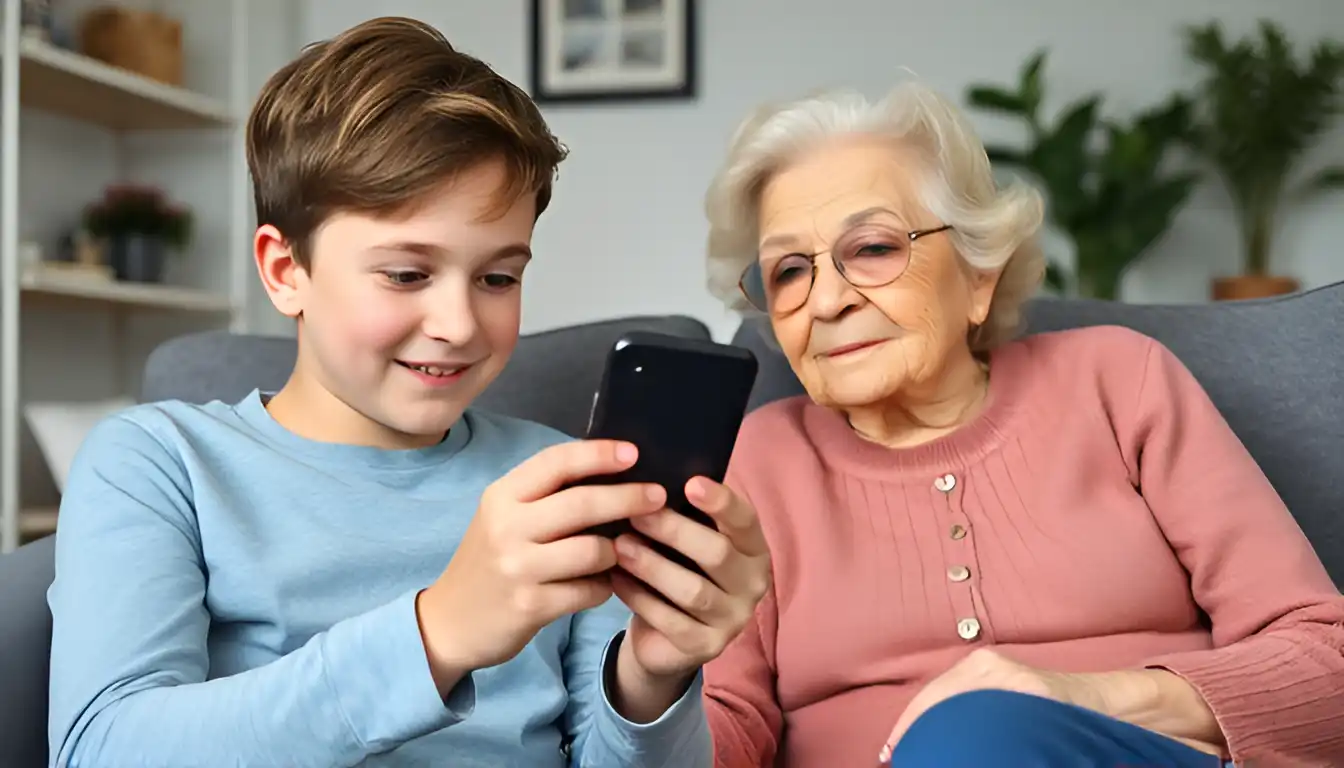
920, 380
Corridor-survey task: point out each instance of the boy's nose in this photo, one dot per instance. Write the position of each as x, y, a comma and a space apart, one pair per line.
452, 320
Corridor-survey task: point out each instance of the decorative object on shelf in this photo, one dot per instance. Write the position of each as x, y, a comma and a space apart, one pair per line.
144, 42
137, 226
36, 18
78, 258
85, 250
1258, 113
605, 50
1104, 180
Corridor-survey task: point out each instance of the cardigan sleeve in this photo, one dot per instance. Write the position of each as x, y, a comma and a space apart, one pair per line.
745, 719
1275, 676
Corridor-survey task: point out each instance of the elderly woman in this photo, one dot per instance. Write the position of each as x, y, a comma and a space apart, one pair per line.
987, 550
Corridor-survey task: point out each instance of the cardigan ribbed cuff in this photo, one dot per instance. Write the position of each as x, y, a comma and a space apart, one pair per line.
1266, 693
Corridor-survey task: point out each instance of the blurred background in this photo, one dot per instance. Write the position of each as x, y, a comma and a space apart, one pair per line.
1189, 152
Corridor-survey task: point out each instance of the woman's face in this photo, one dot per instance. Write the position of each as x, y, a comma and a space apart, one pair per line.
855, 347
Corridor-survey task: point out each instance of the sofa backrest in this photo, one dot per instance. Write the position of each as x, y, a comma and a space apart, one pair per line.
1274, 368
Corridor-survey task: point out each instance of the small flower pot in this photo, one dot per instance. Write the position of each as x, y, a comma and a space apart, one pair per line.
1244, 287
137, 258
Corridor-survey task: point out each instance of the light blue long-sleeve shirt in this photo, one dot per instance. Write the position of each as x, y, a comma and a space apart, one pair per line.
228, 593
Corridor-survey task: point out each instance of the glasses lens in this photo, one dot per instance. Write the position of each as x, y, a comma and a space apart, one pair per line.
874, 258
778, 285
753, 287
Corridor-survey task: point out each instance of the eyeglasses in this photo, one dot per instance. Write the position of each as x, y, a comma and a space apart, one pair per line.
868, 257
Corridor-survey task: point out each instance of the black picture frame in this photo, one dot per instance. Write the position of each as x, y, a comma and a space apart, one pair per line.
613, 51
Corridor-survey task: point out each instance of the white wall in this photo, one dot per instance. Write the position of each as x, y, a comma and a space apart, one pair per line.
625, 232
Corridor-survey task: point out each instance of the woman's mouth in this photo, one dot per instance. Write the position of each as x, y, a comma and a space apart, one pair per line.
850, 348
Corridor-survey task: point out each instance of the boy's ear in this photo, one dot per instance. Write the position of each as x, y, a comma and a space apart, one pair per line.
281, 275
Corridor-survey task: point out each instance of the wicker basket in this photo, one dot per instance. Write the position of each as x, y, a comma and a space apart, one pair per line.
143, 42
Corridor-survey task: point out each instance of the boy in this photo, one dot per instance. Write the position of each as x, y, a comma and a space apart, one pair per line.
264, 583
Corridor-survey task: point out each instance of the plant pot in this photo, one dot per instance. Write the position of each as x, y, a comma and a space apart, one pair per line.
137, 258
1252, 287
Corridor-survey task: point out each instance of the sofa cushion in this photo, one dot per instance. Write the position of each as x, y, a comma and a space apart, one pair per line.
25, 641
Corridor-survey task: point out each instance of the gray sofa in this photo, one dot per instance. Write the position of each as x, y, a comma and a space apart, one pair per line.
1273, 367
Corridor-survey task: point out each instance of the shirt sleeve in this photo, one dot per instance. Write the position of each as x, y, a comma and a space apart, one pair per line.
599, 737
1275, 677
129, 661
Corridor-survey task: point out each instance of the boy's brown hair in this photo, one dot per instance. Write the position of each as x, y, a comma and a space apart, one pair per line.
377, 118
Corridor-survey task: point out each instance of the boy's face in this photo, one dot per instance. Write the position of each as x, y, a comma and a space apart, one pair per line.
404, 321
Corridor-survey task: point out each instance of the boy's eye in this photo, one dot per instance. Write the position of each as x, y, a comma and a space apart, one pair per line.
404, 277
498, 280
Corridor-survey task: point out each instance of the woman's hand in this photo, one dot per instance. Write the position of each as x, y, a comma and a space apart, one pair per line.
981, 670
1149, 698
667, 643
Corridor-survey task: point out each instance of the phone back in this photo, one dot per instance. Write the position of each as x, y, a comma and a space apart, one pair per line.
681, 402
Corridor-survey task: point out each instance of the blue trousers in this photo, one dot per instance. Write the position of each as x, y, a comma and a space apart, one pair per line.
1015, 730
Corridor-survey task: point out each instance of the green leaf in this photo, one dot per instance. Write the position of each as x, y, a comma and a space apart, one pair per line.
1150, 217
1030, 89
995, 98
1004, 156
1326, 180
1055, 279
1060, 159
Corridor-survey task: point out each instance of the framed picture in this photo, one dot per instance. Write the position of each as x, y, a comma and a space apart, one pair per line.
609, 50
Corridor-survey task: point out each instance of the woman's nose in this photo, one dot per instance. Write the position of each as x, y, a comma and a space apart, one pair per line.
832, 295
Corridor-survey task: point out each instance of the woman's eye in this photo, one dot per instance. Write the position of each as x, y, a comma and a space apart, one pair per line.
790, 268
498, 281
405, 277
876, 249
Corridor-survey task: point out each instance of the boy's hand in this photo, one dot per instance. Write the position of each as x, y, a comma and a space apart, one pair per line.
520, 565
666, 645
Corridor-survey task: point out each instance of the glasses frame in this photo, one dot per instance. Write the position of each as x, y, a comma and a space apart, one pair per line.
911, 237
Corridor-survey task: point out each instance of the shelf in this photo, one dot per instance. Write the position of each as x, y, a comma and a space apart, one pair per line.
70, 84
136, 294
36, 522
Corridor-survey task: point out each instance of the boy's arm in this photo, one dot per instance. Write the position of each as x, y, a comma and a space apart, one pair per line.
129, 660
599, 735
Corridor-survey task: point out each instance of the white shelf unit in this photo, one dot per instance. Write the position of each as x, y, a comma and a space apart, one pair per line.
69, 127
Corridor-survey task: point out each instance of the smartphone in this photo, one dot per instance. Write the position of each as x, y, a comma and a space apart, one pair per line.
681, 403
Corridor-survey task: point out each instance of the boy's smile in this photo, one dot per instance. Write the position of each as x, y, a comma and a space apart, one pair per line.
436, 374
403, 319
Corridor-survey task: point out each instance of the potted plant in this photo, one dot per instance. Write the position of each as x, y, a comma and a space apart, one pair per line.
137, 226
1105, 181
1258, 111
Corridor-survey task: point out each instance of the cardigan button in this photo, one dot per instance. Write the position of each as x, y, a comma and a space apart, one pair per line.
957, 532
945, 483
968, 629
958, 573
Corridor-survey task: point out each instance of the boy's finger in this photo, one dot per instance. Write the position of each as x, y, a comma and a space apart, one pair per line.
571, 558
561, 465
579, 508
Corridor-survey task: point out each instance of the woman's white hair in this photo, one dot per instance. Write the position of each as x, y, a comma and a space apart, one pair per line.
993, 228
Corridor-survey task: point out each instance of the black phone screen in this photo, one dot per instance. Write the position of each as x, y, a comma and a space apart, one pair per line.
681, 403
